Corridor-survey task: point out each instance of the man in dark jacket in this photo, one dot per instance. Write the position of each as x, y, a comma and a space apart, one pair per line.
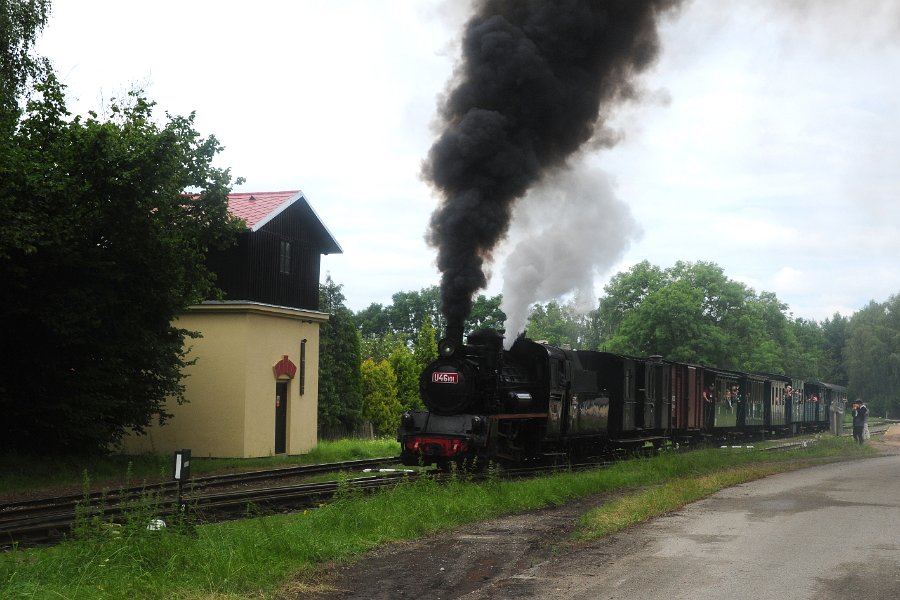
860, 417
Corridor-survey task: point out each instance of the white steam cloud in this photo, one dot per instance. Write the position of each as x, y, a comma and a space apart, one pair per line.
568, 229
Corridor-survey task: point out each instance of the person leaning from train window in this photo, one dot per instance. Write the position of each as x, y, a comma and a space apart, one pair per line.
709, 401
860, 418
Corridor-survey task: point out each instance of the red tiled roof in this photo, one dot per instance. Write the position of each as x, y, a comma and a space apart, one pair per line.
258, 208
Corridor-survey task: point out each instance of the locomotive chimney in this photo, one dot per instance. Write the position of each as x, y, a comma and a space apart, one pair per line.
455, 333
452, 342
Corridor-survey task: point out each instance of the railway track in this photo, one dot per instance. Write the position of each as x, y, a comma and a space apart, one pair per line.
46, 520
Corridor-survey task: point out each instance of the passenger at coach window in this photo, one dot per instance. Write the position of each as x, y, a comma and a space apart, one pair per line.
709, 401
860, 419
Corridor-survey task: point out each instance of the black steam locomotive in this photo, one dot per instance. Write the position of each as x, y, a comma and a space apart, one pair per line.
536, 401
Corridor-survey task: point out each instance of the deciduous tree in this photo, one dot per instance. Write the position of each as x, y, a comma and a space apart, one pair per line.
100, 249
20, 23
692, 312
873, 355
425, 347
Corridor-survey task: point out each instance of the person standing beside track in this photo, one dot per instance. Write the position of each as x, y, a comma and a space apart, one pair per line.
860, 418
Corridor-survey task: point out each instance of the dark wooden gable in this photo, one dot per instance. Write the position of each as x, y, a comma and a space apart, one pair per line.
279, 263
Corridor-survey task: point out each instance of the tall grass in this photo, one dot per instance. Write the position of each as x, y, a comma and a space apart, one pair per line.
269, 556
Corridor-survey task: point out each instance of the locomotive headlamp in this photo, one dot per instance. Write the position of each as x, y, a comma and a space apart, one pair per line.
446, 347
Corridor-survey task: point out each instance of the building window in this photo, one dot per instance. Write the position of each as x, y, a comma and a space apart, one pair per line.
284, 259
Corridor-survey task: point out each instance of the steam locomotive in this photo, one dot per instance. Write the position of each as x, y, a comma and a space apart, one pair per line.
536, 401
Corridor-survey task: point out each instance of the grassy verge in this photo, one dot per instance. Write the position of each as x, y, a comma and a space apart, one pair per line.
275, 556
660, 499
19, 473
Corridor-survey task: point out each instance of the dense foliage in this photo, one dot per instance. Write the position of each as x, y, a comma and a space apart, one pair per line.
873, 355
100, 249
381, 406
692, 312
409, 310
340, 383
20, 23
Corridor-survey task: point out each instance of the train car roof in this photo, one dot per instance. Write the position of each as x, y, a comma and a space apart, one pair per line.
777, 377
832, 386
727, 372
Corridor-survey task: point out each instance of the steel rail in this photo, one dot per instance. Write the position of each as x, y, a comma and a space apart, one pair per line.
45, 519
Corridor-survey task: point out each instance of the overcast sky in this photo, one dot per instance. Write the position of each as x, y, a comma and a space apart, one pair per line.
766, 140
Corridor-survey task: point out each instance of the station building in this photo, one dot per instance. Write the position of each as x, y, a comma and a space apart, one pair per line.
253, 388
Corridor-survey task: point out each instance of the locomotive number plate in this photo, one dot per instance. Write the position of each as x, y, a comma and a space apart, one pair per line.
438, 377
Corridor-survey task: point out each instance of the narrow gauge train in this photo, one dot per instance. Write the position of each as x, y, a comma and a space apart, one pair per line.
535, 401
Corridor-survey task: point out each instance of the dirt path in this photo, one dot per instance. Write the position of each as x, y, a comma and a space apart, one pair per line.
453, 564
493, 559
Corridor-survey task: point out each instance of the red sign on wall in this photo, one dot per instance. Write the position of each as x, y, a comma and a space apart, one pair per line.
439, 377
284, 368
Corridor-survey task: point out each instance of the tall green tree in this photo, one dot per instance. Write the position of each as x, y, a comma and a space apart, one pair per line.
408, 309
425, 346
553, 323
380, 404
760, 333
100, 249
403, 316
20, 23
692, 312
379, 348
373, 321
806, 350
835, 331
340, 383
486, 313
669, 322
624, 293
873, 355
561, 325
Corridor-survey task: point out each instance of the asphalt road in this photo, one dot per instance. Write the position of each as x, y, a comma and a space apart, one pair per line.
829, 532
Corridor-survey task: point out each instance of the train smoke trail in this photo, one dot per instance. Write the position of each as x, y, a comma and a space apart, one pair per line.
536, 82
559, 251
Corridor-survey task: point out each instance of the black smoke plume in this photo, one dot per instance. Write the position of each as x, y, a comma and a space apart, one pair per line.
536, 81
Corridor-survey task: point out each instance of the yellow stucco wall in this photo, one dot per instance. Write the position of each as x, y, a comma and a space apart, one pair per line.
231, 387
